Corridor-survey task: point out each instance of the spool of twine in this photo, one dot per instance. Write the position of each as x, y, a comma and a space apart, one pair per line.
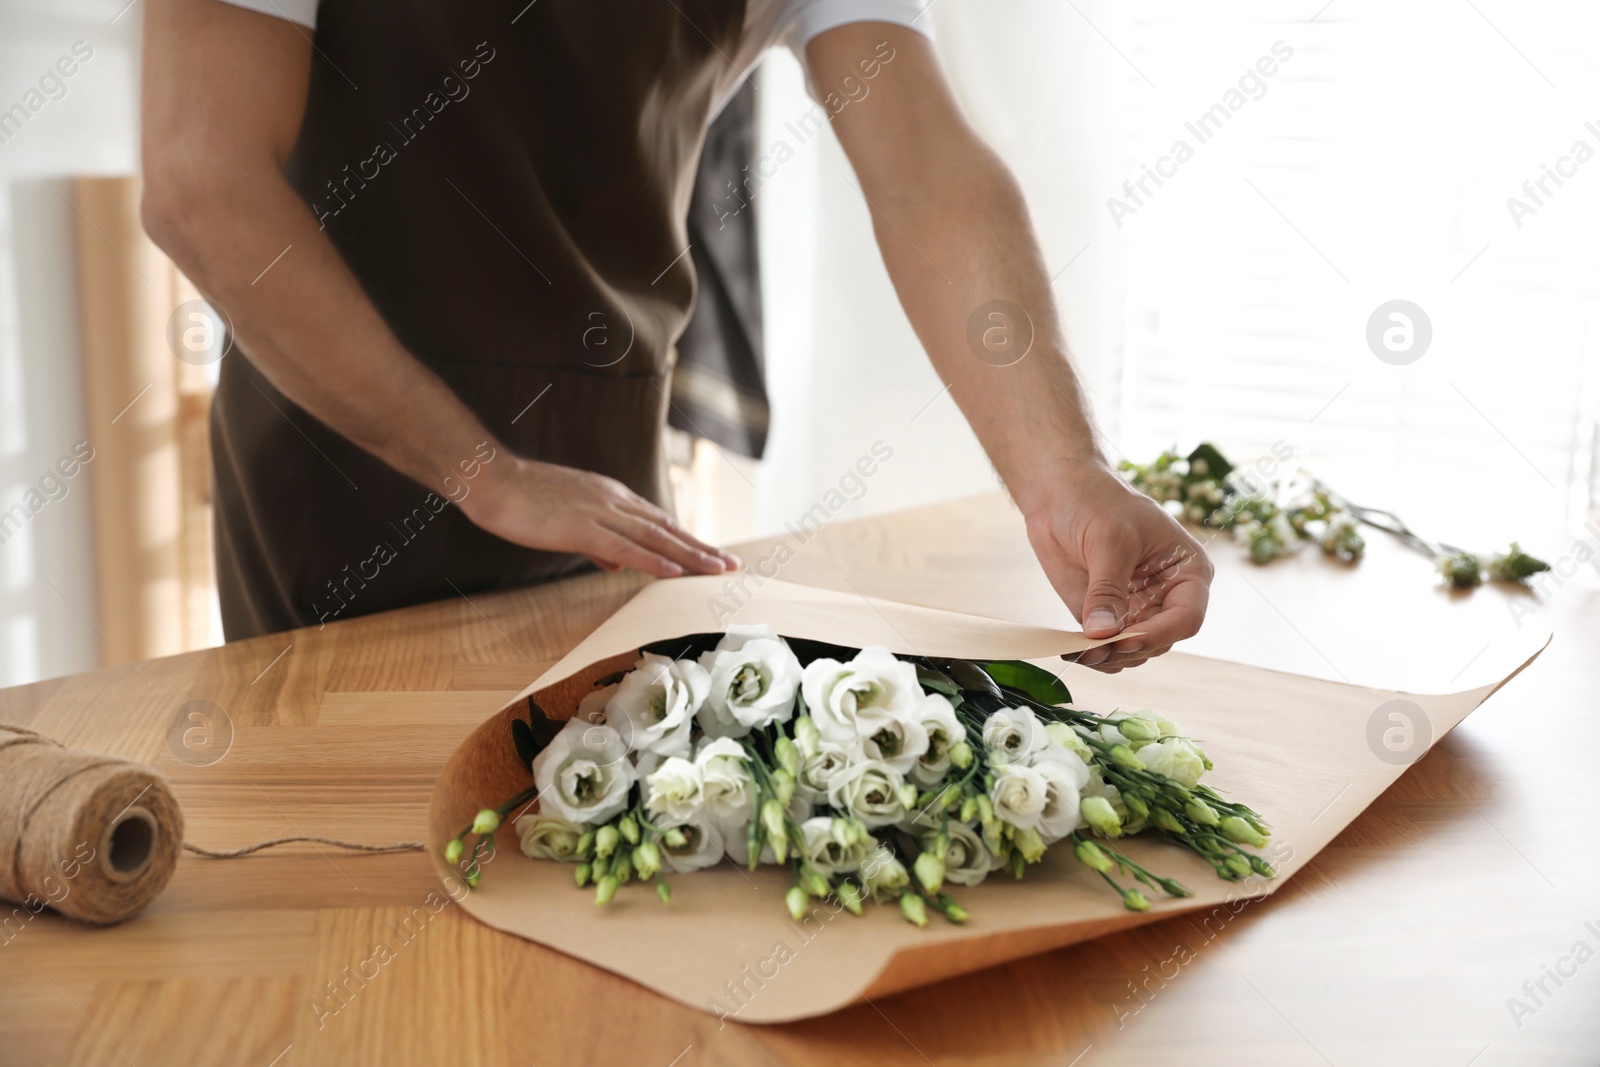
92, 836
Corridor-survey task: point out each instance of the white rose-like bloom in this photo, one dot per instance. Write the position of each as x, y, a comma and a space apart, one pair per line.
1019, 795
592, 708
1065, 776
673, 791
1013, 735
753, 680
827, 855
869, 790
898, 742
583, 774
969, 860
654, 705
818, 772
728, 796
546, 837
848, 700
938, 720
1176, 758
703, 849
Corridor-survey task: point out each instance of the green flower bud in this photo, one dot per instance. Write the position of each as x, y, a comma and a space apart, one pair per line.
806, 736
797, 901
1029, 845
452, 851
647, 859
994, 836
782, 786
1202, 813
586, 843
814, 881
582, 874
960, 755
1174, 888
675, 838
605, 889
929, 869
605, 841
622, 869
486, 822
1262, 867
1123, 756
1236, 829
985, 809
664, 891
848, 831
908, 796
1238, 865
950, 797
629, 828
1136, 805
969, 809
1134, 900
773, 818
1098, 813
1019, 866
473, 877
954, 912
1137, 729
913, 908
1092, 856
850, 897
788, 755
1162, 819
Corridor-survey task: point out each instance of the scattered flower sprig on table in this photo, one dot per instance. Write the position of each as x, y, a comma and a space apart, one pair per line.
873, 778
1276, 517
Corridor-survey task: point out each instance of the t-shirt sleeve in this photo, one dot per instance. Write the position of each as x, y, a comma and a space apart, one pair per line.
802, 20
302, 11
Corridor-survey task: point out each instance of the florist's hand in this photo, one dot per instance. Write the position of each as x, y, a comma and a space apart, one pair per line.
1120, 562
562, 509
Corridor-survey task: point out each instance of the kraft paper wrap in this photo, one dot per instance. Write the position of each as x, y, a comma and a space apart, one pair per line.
1296, 749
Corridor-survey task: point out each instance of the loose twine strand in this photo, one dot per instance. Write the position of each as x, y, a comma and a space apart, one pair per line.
98, 837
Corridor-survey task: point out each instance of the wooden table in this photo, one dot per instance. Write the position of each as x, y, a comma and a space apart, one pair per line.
1400, 944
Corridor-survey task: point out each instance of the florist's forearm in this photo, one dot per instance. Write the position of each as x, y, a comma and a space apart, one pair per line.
959, 241
312, 331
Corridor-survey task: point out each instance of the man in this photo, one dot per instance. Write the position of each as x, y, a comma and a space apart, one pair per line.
450, 239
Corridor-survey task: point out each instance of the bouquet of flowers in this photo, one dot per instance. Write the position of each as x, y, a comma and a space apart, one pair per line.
871, 776
1274, 518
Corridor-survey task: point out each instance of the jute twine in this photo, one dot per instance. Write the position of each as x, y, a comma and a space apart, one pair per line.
93, 836
97, 837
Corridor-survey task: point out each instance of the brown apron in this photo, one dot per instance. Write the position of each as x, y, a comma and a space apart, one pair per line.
512, 196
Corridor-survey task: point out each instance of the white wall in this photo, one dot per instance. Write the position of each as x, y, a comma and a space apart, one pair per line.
47, 588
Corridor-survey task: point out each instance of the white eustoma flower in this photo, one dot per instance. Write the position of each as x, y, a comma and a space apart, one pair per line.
583, 774
968, 860
848, 701
938, 720
869, 790
825, 853
547, 837
818, 771
1065, 776
704, 847
654, 705
727, 793
1019, 795
673, 791
1013, 735
592, 708
898, 742
1176, 758
753, 680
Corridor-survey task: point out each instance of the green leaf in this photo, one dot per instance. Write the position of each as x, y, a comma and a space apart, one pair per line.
1036, 682
532, 736
938, 681
1217, 465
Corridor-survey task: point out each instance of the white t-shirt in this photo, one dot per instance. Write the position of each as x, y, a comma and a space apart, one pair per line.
767, 24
